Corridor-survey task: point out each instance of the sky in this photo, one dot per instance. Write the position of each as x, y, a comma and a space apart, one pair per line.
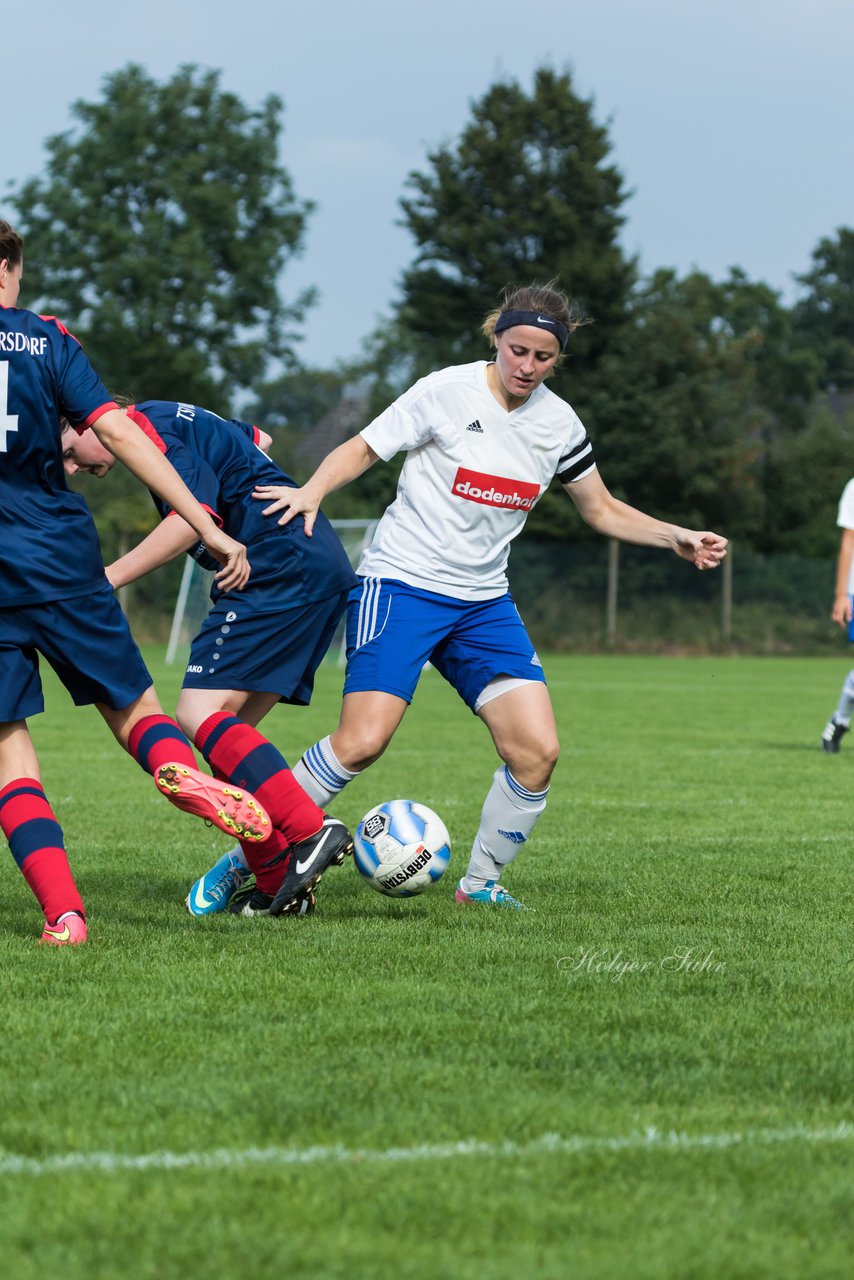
731, 122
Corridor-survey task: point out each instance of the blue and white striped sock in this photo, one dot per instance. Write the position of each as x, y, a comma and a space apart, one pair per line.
510, 813
321, 774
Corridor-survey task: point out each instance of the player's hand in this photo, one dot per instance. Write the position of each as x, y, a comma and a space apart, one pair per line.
292, 502
231, 554
705, 550
841, 613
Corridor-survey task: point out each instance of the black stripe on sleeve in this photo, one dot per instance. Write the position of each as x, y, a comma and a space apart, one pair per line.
576, 461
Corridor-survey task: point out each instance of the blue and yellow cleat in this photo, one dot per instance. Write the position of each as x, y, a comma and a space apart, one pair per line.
492, 894
213, 891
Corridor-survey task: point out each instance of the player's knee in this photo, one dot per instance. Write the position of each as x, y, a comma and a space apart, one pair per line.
550, 756
360, 747
189, 718
533, 763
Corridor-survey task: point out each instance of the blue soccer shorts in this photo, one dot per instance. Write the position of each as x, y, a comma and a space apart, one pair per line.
88, 643
393, 629
238, 647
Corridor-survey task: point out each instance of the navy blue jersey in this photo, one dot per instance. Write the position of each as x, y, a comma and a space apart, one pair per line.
221, 464
49, 547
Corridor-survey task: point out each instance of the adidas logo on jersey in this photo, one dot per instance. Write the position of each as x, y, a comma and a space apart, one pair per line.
475, 426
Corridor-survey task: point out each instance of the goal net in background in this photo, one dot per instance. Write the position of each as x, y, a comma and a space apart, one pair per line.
194, 601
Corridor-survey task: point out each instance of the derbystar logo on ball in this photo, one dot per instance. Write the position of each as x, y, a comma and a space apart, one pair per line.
495, 491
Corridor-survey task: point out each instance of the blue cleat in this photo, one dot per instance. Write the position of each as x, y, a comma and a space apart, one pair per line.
493, 894
215, 889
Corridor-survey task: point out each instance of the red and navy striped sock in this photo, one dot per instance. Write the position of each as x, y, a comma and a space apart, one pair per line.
259, 856
157, 740
35, 839
236, 751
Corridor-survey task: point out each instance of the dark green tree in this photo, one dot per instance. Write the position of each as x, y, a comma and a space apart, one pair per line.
677, 421
159, 231
703, 384
297, 400
787, 373
805, 473
824, 315
527, 193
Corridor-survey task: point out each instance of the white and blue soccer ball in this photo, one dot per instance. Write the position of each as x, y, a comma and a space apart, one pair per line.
401, 848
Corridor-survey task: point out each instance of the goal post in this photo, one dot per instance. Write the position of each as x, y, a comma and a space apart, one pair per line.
193, 599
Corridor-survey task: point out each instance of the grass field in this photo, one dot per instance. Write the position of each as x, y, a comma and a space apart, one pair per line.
649, 1075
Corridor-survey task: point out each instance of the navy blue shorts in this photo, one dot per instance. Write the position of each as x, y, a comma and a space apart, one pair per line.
393, 629
271, 652
88, 643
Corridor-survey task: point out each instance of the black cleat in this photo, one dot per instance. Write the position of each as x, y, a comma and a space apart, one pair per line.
833, 734
308, 860
254, 902
250, 901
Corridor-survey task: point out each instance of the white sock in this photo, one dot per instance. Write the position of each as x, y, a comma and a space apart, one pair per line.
843, 713
238, 853
321, 774
510, 813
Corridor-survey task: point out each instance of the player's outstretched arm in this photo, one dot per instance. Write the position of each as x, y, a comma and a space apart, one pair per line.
127, 443
342, 465
171, 537
615, 519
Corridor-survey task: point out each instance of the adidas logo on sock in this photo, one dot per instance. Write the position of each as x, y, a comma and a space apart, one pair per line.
475, 426
516, 836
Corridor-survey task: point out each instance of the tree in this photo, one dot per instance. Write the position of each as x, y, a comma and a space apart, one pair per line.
805, 475
824, 316
160, 230
526, 194
678, 424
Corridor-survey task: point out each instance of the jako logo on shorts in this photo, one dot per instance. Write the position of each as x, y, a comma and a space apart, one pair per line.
495, 491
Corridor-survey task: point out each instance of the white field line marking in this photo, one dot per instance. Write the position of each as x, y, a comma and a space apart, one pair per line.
549, 1144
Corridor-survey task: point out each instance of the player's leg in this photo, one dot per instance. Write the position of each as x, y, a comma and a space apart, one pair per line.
366, 726
492, 664
392, 629
26, 817
218, 722
238, 670
88, 643
215, 889
35, 838
521, 722
160, 748
840, 722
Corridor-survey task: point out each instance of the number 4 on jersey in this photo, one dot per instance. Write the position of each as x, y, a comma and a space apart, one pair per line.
8, 421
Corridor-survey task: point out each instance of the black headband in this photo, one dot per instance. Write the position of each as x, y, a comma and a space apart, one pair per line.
509, 319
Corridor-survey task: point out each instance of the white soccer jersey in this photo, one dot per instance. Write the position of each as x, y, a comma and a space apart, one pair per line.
472, 473
845, 520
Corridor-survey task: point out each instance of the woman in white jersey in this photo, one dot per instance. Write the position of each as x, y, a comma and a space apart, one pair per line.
483, 441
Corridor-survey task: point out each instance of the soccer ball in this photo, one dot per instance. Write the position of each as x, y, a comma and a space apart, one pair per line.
401, 848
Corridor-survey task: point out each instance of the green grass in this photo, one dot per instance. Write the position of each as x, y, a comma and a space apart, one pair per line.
692, 814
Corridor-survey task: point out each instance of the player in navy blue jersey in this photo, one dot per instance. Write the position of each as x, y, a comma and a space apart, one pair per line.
258, 646
55, 599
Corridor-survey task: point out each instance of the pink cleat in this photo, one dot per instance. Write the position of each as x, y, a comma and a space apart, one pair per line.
235, 812
70, 933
